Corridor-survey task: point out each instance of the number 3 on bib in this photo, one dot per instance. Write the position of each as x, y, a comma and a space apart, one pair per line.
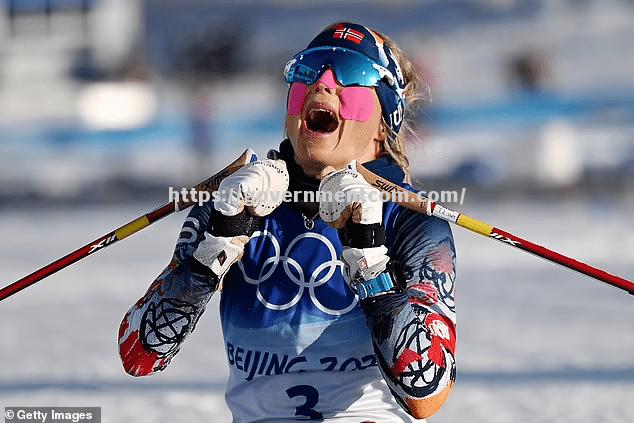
312, 398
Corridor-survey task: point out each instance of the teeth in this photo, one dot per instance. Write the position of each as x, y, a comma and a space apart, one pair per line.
330, 112
317, 120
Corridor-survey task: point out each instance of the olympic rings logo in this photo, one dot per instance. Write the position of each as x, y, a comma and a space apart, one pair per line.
297, 276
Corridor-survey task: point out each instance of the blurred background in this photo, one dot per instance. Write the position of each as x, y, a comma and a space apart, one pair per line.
106, 103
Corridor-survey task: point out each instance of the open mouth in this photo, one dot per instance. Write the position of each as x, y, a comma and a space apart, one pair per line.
322, 120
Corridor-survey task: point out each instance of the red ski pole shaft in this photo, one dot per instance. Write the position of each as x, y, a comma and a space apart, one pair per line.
423, 205
126, 230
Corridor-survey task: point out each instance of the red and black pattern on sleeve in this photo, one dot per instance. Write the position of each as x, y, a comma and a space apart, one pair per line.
414, 330
153, 330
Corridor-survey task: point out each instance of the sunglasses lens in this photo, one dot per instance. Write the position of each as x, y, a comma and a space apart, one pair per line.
350, 68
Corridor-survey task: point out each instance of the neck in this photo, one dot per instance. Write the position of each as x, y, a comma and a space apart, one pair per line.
317, 170
303, 179
311, 169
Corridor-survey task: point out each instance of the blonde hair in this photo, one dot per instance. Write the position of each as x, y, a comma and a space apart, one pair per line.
417, 95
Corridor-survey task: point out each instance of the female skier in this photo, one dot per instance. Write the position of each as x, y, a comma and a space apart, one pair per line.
339, 309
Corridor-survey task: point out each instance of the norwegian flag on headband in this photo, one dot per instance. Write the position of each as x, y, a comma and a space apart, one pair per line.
343, 32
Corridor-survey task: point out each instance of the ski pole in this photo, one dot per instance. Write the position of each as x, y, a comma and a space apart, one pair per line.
423, 205
211, 184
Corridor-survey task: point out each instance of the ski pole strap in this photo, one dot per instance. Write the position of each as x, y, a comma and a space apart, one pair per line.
374, 287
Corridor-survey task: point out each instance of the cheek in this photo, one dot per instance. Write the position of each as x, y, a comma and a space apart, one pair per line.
357, 103
293, 123
296, 97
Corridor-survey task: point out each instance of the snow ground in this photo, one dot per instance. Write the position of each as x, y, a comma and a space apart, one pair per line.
536, 343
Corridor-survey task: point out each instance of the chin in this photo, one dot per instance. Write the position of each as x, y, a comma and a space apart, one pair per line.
319, 153
316, 147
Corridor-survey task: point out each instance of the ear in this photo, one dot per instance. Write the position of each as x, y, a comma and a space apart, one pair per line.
381, 133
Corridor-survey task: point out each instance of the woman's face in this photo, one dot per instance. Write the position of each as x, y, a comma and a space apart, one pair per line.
330, 125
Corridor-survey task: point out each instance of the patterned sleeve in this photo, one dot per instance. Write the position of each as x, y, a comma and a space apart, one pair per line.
414, 331
153, 330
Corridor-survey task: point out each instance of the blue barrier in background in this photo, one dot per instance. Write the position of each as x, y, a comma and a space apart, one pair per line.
534, 110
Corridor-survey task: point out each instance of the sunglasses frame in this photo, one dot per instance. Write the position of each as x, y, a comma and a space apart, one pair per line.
294, 67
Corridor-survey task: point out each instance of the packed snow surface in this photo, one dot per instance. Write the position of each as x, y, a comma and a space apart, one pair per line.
536, 343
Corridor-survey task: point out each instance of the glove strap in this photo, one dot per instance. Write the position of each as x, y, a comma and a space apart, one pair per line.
374, 287
358, 235
229, 226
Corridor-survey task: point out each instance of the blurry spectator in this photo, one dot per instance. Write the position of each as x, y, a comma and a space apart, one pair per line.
201, 139
550, 155
208, 56
529, 73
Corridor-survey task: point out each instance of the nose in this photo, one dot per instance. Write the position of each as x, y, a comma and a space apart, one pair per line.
326, 82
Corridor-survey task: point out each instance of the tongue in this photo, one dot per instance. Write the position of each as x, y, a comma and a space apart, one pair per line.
322, 121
